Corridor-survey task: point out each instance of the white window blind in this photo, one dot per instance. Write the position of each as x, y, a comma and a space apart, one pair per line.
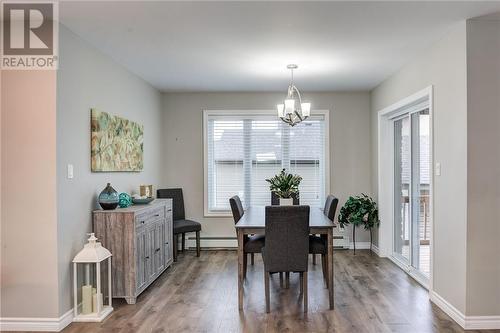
243, 151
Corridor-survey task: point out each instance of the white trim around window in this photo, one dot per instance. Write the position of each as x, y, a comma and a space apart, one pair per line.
255, 114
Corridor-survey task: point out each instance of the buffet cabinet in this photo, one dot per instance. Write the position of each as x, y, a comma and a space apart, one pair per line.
140, 240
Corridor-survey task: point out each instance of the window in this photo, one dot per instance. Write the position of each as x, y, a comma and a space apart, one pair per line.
242, 150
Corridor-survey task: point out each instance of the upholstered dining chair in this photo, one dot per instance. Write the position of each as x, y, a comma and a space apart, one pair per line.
181, 224
251, 244
319, 244
287, 245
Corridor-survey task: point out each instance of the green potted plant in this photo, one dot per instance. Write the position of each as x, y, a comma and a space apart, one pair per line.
359, 210
285, 185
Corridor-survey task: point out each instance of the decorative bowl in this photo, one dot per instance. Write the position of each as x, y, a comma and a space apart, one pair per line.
143, 201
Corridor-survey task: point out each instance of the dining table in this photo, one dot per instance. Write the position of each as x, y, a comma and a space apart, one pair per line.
253, 222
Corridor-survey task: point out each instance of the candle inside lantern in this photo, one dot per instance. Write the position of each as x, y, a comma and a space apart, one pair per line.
96, 302
87, 299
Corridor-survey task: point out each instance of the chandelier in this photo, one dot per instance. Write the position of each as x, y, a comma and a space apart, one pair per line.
293, 111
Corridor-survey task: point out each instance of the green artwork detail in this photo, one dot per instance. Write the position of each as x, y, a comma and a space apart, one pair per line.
116, 143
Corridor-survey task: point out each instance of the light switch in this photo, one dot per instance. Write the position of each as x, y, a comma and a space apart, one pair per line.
70, 171
438, 169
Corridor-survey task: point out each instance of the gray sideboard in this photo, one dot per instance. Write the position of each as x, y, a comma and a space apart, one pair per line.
140, 239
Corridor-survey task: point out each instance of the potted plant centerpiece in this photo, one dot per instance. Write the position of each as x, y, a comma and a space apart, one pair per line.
359, 210
285, 186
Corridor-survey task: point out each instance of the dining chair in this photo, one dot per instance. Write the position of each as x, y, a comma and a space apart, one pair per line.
251, 244
181, 224
287, 244
319, 244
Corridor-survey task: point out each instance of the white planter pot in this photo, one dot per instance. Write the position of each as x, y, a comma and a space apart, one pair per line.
286, 202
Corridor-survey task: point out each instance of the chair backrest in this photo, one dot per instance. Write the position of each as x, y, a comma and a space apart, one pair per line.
287, 238
236, 208
275, 200
330, 206
177, 201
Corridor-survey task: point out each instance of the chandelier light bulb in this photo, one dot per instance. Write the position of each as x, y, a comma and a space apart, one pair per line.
281, 110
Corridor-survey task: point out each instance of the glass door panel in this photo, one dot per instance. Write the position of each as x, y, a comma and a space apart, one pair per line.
412, 176
420, 184
402, 189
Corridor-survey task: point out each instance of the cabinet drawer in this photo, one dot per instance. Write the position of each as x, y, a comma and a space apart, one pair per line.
150, 216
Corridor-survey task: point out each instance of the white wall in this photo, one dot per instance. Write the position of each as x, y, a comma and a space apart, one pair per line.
29, 278
88, 79
349, 144
444, 67
483, 189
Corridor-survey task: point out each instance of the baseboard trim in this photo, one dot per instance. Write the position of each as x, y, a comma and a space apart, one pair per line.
375, 250
466, 322
482, 322
232, 243
214, 242
37, 324
360, 245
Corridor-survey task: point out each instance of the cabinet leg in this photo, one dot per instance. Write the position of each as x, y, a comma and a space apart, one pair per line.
183, 242
130, 300
198, 247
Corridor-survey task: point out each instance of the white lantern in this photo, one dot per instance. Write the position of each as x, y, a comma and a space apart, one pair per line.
92, 277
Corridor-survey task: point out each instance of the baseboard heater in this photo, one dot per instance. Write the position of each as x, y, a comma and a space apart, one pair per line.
339, 242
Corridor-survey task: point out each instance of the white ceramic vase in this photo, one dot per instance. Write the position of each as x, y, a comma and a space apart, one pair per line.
286, 202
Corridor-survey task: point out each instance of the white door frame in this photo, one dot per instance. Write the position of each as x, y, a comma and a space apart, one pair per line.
386, 178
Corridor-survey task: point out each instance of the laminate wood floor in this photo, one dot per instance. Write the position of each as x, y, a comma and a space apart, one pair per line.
200, 295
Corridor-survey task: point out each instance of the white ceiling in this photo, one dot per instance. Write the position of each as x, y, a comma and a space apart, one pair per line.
245, 46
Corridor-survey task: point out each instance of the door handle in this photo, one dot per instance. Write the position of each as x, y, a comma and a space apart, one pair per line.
158, 249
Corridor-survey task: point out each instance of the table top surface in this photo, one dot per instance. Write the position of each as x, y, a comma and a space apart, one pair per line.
255, 217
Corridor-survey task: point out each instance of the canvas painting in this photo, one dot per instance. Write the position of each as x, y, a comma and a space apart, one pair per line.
116, 143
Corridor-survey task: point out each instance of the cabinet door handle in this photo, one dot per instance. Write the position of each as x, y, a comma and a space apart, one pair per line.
166, 243
147, 257
142, 222
169, 210
156, 215
158, 249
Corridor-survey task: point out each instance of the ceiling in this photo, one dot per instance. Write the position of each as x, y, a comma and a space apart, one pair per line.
245, 46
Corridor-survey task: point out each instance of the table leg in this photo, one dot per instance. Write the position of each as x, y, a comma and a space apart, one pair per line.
330, 267
240, 268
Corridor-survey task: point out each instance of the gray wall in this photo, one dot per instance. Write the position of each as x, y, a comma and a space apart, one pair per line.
444, 67
349, 145
483, 167
88, 79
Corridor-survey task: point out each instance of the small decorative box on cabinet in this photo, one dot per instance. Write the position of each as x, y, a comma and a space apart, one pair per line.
140, 238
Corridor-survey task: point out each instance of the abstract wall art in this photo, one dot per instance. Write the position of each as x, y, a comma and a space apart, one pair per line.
116, 143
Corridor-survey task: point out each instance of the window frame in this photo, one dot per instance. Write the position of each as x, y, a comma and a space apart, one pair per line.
252, 113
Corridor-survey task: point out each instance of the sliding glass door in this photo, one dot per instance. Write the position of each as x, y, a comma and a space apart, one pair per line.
412, 177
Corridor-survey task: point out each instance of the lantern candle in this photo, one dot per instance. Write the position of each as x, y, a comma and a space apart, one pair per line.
86, 299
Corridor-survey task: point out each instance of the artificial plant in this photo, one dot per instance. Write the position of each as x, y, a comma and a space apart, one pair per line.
359, 210
284, 184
